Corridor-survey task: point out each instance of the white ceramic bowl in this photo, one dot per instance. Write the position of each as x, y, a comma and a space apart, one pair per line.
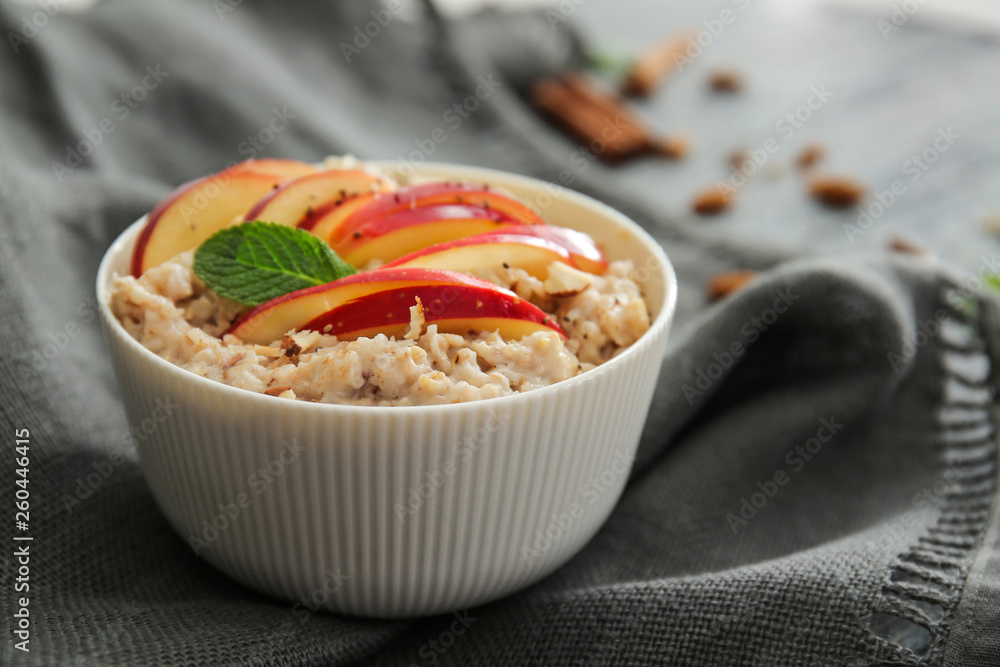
398, 511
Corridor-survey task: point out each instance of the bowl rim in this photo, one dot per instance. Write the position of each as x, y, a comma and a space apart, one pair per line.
128, 236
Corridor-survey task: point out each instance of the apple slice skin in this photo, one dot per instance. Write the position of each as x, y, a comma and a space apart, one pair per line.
455, 308
495, 250
293, 201
271, 320
186, 217
436, 194
287, 169
259, 177
324, 220
402, 232
580, 246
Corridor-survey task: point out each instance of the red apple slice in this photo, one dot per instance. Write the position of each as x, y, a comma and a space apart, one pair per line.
270, 321
581, 247
436, 194
324, 221
296, 199
288, 169
402, 232
491, 251
454, 308
195, 211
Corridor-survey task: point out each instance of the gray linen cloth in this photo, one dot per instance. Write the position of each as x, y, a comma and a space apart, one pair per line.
816, 484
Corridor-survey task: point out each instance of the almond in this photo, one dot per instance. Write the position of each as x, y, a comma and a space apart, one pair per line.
723, 284
809, 156
674, 148
737, 159
565, 281
712, 202
905, 246
725, 82
836, 192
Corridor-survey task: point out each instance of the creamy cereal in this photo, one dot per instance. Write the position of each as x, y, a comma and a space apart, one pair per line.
171, 312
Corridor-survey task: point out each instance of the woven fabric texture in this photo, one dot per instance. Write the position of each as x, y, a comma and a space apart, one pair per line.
816, 483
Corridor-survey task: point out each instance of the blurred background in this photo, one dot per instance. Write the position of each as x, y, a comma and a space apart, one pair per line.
895, 99
755, 131
897, 72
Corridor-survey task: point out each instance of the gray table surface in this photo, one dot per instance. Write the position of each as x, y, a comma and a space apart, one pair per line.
889, 96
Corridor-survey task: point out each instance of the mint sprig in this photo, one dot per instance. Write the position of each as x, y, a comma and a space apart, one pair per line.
258, 261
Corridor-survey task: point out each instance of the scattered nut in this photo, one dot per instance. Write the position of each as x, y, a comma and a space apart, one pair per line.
738, 158
725, 82
565, 281
836, 192
809, 156
675, 148
712, 202
277, 391
417, 321
723, 284
291, 349
902, 245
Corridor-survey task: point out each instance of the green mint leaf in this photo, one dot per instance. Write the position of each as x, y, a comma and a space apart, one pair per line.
607, 59
258, 261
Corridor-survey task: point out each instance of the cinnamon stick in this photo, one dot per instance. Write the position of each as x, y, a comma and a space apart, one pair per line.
601, 120
613, 107
653, 66
597, 125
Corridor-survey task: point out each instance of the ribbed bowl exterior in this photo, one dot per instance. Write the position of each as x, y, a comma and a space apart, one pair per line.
387, 512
